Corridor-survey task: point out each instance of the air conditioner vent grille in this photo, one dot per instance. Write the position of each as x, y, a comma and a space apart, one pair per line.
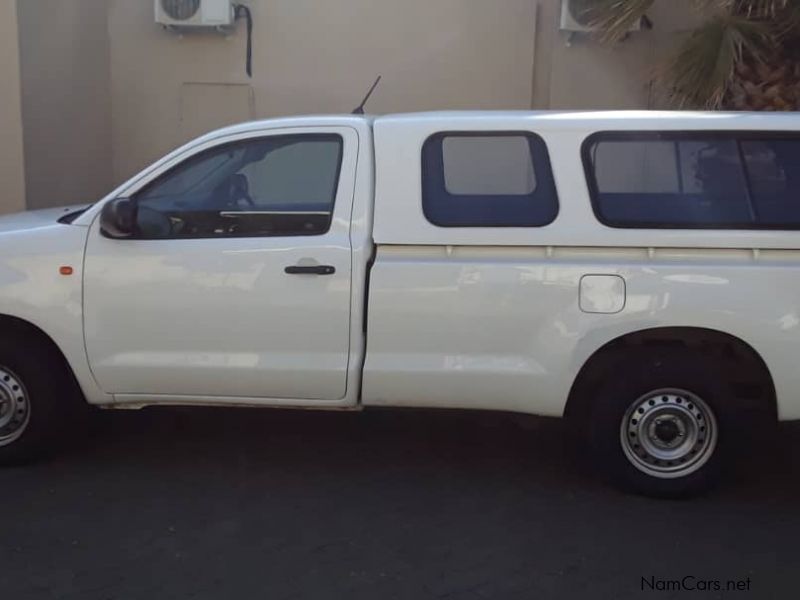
581, 11
180, 10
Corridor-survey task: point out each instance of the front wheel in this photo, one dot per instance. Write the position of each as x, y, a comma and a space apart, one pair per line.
657, 424
37, 396
15, 407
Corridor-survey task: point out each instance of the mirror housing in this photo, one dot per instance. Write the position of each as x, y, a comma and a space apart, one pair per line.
118, 218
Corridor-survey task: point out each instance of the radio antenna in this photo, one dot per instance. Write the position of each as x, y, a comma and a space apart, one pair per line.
360, 108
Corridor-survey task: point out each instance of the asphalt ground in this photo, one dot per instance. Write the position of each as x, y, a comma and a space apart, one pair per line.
241, 503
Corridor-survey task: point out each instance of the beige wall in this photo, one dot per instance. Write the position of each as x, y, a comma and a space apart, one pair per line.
12, 171
66, 100
106, 91
585, 74
312, 57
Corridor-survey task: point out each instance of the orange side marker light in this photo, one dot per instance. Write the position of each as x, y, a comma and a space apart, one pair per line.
65, 270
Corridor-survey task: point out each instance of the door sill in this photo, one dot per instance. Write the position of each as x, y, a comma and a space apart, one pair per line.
134, 401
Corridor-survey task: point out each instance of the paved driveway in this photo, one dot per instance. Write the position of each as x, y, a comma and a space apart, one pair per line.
207, 503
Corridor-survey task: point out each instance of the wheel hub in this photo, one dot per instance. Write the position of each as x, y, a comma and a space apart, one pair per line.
669, 433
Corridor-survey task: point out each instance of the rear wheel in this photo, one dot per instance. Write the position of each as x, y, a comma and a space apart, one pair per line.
37, 398
657, 425
669, 433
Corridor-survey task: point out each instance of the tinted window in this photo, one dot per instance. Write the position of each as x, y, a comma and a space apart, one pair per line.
283, 185
487, 180
773, 171
702, 180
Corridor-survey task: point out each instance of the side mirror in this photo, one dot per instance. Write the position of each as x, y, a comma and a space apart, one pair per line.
118, 218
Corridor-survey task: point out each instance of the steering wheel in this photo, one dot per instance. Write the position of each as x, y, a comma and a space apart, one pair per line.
239, 189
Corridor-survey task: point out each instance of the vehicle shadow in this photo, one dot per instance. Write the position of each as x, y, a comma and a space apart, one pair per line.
386, 504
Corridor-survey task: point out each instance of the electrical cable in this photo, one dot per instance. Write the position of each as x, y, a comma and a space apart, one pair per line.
241, 9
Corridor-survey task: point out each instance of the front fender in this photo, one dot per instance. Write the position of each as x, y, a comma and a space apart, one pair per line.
34, 289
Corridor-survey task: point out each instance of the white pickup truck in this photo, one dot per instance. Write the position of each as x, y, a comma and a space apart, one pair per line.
638, 273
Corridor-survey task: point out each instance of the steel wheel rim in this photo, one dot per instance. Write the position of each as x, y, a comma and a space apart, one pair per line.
669, 433
15, 407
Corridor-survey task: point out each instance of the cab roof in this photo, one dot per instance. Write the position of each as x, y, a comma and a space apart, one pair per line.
544, 120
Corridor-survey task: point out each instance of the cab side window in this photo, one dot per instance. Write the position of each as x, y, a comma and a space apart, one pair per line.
273, 186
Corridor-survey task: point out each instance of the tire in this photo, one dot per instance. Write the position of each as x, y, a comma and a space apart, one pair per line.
658, 422
38, 398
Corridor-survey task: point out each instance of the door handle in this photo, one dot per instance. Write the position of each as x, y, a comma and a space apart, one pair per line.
312, 270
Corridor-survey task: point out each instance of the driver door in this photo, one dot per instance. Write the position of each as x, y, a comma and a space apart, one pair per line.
236, 282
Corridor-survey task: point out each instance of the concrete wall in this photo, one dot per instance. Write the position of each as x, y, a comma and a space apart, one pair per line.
66, 100
12, 170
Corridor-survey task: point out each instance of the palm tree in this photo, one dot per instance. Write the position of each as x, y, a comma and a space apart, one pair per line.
744, 55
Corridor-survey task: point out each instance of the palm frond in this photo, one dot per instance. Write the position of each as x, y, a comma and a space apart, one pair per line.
614, 18
784, 17
706, 70
700, 72
760, 9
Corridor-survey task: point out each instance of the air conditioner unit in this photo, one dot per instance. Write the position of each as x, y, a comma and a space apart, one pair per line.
575, 17
195, 13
